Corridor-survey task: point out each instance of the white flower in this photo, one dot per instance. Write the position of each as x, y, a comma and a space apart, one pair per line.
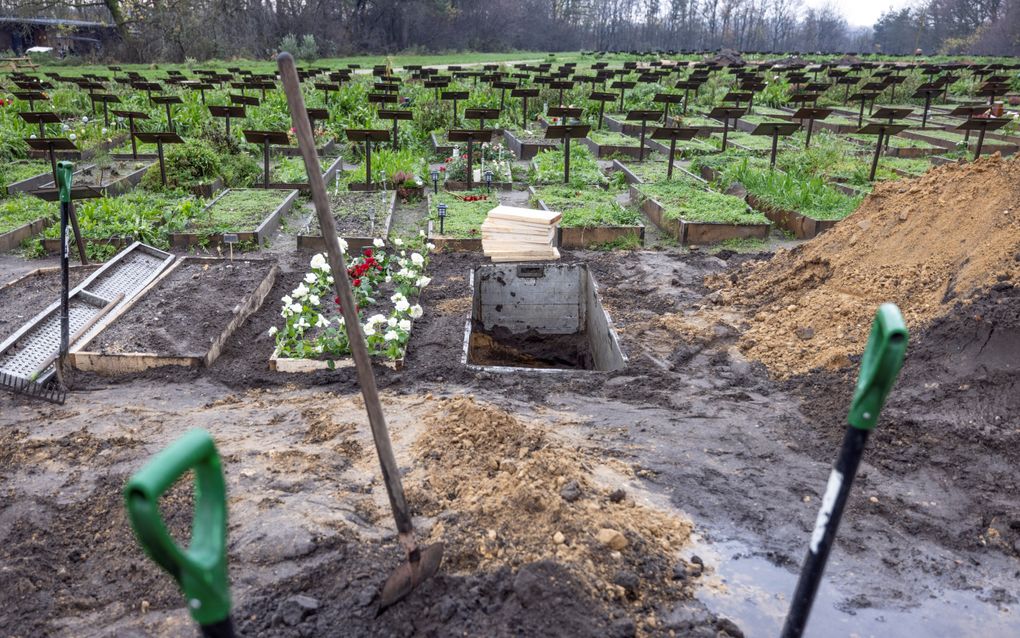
287, 300
398, 242
85, 119
300, 291
72, 137
369, 329
392, 322
403, 253
295, 307
421, 233
378, 243
397, 296
377, 318
303, 323
314, 300
310, 278
402, 305
391, 336
389, 279
340, 321
417, 259
430, 246
32, 136
404, 324
286, 312
319, 263
272, 330
104, 131
330, 280
343, 244
65, 127
416, 312
423, 281
321, 322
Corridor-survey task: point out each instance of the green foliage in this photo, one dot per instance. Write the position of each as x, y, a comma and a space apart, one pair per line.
238, 210
463, 218
809, 196
304, 49
187, 165
584, 169
684, 199
18, 211
136, 216
587, 208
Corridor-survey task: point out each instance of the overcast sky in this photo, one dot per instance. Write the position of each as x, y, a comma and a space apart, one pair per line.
861, 12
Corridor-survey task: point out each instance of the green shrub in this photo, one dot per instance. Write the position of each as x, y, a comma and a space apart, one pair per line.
186, 165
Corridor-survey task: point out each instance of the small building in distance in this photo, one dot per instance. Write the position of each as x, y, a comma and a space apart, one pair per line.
66, 37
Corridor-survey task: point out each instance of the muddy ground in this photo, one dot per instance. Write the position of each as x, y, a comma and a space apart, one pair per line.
689, 429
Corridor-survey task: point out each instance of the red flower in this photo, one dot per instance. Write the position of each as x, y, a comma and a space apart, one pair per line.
337, 300
367, 253
464, 156
442, 169
449, 159
357, 282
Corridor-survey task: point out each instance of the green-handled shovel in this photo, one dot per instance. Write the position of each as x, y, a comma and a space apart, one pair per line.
880, 365
201, 569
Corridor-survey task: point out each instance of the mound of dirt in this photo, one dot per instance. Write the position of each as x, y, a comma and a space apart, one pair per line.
726, 56
507, 494
922, 244
951, 411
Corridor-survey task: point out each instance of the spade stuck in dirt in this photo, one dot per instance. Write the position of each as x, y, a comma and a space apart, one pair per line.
422, 562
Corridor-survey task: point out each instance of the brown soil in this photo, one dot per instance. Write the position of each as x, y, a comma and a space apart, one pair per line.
514, 495
24, 299
688, 425
500, 347
920, 243
356, 214
208, 294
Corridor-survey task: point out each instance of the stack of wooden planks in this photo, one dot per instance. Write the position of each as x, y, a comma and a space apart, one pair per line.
520, 234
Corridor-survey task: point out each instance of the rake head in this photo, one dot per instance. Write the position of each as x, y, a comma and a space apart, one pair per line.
32, 389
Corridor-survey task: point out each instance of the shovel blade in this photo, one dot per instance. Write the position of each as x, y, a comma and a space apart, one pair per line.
411, 574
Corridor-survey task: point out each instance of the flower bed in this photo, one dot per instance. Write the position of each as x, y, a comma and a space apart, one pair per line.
802, 204
22, 217
547, 168
108, 223
116, 178
441, 146
251, 214
590, 217
692, 214
604, 145
526, 144
386, 279
653, 169
360, 217
288, 173
23, 176
465, 213
487, 157
183, 318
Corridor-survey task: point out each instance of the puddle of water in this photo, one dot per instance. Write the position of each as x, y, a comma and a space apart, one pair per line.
754, 593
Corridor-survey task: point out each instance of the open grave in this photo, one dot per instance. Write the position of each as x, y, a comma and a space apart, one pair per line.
539, 316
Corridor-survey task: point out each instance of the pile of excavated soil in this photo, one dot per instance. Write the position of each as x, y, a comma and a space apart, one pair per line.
923, 244
505, 493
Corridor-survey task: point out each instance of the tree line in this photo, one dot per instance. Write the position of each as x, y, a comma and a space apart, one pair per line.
176, 30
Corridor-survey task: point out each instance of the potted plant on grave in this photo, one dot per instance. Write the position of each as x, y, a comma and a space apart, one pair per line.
408, 186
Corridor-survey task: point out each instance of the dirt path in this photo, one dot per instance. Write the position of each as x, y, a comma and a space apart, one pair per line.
689, 430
